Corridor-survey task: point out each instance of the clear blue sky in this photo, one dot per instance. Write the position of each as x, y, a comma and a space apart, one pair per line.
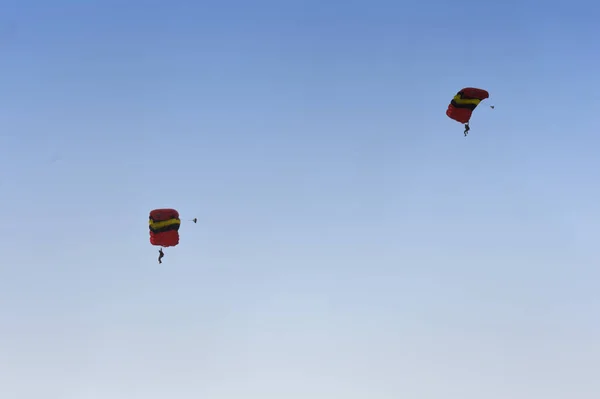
351, 243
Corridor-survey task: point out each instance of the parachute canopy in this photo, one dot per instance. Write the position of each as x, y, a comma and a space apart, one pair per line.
164, 227
464, 102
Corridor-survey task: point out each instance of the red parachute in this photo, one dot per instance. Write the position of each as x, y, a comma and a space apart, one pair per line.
464, 103
164, 227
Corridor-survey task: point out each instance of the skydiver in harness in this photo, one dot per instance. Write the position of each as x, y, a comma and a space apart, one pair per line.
160, 255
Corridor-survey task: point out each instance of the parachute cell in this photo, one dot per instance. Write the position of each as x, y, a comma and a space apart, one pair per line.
464, 102
164, 227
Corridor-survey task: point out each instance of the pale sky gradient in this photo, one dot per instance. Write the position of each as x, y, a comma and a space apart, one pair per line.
351, 243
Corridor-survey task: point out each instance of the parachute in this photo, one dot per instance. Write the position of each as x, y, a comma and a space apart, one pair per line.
164, 227
464, 103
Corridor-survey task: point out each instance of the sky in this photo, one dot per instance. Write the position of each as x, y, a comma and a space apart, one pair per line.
351, 242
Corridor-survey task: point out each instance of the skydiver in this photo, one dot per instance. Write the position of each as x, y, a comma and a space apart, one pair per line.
160, 255
467, 128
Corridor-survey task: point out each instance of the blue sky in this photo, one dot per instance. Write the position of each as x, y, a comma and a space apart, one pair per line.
351, 243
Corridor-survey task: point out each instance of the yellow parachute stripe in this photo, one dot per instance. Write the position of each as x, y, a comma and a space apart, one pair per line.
459, 100
165, 223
